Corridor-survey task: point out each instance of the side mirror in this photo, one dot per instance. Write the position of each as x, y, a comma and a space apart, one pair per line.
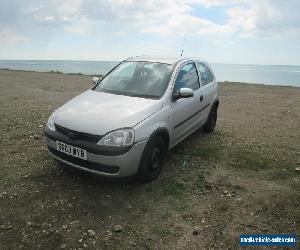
186, 93
183, 93
95, 80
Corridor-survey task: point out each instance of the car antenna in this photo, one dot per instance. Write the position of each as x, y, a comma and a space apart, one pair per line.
183, 46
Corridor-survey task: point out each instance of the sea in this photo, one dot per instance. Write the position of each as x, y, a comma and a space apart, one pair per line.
284, 75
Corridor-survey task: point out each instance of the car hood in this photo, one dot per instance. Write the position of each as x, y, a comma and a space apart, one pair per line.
98, 113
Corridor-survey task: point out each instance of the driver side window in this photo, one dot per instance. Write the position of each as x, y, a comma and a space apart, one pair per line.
187, 77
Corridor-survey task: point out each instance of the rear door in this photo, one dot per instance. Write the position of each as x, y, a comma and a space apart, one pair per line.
185, 111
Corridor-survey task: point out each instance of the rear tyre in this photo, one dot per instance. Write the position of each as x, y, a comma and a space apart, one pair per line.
211, 122
152, 159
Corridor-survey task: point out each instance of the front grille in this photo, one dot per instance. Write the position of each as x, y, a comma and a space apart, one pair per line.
86, 164
77, 135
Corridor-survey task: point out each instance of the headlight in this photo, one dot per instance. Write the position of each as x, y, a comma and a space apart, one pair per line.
118, 138
50, 123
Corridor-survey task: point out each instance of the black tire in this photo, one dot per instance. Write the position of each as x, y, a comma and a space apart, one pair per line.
211, 122
152, 159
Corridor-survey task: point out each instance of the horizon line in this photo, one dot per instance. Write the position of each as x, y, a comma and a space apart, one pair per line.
93, 60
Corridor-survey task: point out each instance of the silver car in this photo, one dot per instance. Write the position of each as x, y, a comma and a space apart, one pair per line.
126, 122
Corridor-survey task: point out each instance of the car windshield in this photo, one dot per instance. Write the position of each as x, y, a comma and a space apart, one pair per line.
141, 79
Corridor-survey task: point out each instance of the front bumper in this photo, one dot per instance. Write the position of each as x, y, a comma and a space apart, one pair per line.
112, 166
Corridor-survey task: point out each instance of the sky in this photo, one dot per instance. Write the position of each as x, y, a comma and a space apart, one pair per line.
219, 31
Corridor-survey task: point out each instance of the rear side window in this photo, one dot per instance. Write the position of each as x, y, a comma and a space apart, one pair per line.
206, 75
187, 78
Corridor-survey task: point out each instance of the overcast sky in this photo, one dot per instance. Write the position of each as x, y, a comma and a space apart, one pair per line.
225, 31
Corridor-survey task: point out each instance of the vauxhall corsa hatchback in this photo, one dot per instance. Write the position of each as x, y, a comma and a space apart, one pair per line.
126, 122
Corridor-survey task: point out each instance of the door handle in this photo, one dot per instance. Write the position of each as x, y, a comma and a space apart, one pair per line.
201, 98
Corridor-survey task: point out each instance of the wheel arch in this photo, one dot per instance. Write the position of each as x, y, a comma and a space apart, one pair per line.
164, 133
142, 171
216, 103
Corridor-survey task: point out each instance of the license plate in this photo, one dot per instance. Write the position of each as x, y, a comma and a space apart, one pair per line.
71, 150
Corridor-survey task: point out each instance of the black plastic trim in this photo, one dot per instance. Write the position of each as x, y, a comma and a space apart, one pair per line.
74, 135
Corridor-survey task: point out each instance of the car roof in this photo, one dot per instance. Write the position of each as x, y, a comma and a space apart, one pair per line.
159, 59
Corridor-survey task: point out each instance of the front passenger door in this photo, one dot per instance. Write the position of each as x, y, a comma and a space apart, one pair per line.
184, 110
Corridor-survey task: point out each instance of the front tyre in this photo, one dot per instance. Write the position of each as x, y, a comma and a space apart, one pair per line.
152, 159
211, 122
